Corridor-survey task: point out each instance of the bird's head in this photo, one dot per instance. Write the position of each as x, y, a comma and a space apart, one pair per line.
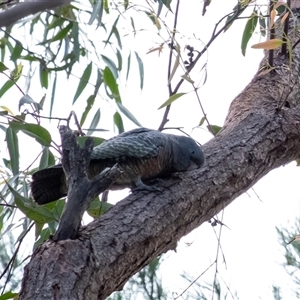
187, 154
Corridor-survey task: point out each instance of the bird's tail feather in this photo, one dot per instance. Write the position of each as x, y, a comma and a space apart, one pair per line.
48, 184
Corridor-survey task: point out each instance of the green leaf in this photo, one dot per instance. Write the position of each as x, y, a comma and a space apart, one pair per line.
126, 3
39, 214
39, 133
117, 35
44, 235
61, 34
167, 3
97, 141
94, 122
98, 208
47, 159
6, 86
176, 65
9, 295
110, 81
53, 93
112, 30
44, 73
112, 66
237, 11
13, 149
84, 79
118, 122
16, 52
128, 114
76, 44
26, 99
89, 104
171, 99
3, 67
99, 81
120, 61
128, 65
106, 6
201, 121
141, 69
248, 31
97, 12
214, 129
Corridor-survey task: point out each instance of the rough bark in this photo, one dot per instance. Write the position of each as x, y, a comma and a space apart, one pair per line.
261, 133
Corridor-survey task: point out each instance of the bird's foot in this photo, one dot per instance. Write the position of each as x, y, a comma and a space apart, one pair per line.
140, 186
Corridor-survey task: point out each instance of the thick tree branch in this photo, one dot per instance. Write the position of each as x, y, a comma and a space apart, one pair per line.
25, 9
144, 225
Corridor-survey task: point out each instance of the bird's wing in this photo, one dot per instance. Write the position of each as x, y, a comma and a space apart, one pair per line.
137, 143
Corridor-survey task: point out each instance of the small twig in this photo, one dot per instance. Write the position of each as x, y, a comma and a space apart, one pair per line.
9, 266
285, 31
180, 295
167, 110
73, 114
272, 36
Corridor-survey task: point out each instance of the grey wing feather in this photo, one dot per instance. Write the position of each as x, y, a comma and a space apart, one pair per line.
137, 143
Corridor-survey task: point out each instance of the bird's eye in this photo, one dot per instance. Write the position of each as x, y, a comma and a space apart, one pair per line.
193, 152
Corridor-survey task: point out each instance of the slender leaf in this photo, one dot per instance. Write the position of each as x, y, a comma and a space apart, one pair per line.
43, 234
99, 81
126, 3
47, 159
120, 62
44, 73
214, 129
268, 45
75, 36
39, 214
61, 34
110, 81
106, 6
6, 86
98, 208
201, 121
175, 67
89, 104
97, 12
13, 149
128, 65
141, 69
84, 79
26, 99
53, 93
94, 122
9, 295
171, 99
112, 66
112, 30
16, 52
3, 67
167, 3
118, 122
39, 133
128, 114
248, 31
97, 141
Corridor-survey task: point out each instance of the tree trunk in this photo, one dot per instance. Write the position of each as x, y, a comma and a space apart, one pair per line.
261, 133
